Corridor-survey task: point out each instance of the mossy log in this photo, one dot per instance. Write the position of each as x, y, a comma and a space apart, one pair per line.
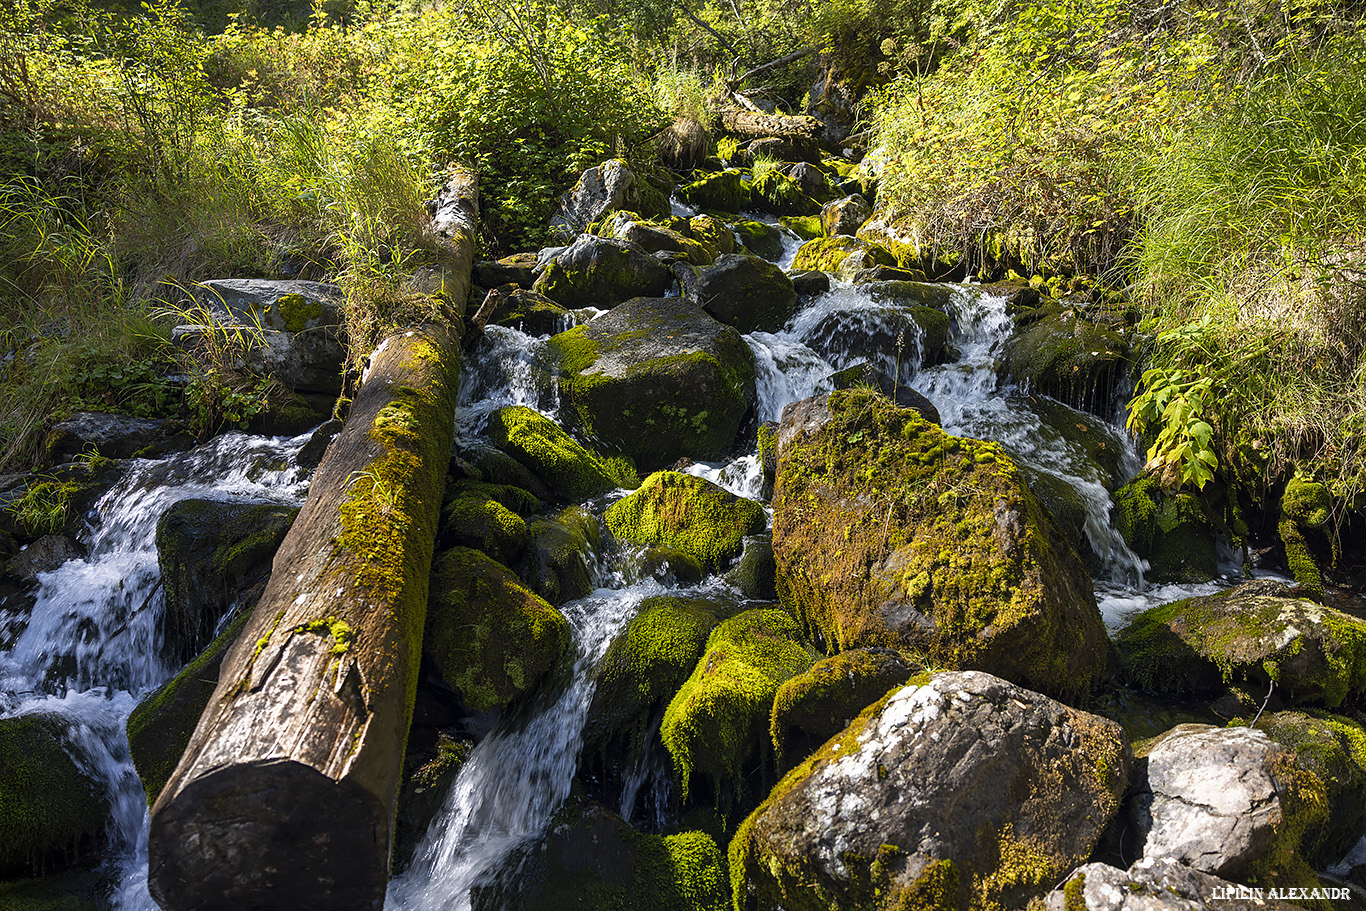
299, 752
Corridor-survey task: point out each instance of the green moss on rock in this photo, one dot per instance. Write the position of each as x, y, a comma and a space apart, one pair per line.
720, 191
559, 549
718, 719
482, 522
1062, 353
490, 638
1169, 530
539, 444
816, 705
843, 255
1306, 506
689, 513
50, 810
760, 238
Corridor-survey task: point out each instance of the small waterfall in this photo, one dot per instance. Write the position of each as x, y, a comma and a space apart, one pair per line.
743, 477
516, 777
785, 371
503, 370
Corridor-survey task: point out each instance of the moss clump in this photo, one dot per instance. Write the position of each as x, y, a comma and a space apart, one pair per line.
713, 234
1169, 530
843, 255
159, 729
816, 705
1255, 633
50, 810
296, 311
720, 191
1306, 507
489, 636
688, 513
717, 720
475, 520
539, 444
889, 532
514, 498
807, 227
643, 669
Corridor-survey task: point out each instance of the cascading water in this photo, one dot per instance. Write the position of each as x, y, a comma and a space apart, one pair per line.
90, 649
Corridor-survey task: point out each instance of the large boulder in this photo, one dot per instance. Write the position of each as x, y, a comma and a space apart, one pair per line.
475, 517
1062, 351
688, 513
743, 291
760, 238
779, 194
532, 313
959, 790
538, 443
1157, 884
600, 190
602, 272
889, 532
211, 552
656, 379
591, 858
898, 339
659, 239
1225, 801
845, 216
718, 720
51, 809
720, 192
841, 255
1256, 632
299, 326
489, 637
559, 553
713, 234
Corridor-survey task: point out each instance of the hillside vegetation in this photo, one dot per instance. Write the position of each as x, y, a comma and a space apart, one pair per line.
1205, 162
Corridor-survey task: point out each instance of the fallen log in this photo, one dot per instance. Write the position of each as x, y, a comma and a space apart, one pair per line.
285, 796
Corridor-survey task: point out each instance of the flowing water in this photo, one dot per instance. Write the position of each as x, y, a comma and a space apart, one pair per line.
89, 649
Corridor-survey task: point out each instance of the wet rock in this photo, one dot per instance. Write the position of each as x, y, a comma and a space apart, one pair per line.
720, 191
962, 791
842, 256
606, 188
592, 858
44, 555
1214, 799
489, 637
868, 376
210, 553
311, 455
532, 313
689, 513
478, 460
816, 705
602, 272
77, 888
539, 444
779, 194
428, 775
51, 810
845, 215
808, 284
1058, 350
518, 269
656, 379
114, 436
761, 239
889, 532
897, 339
1254, 632
745, 292
1169, 530
756, 573
556, 562
1159, 884
670, 566
718, 720
300, 327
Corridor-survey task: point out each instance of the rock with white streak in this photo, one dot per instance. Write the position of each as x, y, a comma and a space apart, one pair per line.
1155, 885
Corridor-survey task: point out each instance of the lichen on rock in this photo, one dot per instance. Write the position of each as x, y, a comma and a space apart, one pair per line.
689, 513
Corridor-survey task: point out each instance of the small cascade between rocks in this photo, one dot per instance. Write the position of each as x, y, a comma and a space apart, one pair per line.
89, 648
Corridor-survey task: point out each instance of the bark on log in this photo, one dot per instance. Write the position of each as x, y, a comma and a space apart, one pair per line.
285, 796
751, 125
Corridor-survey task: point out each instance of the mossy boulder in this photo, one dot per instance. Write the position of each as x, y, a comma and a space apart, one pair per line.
489, 637
532, 313
474, 518
777, 193
1169, 530
812, 181
210, 552
114, 436
656, 379
1256, 632
889, 532
1155, 884
759, 238
476, 460
689, 513
1306, 507
718, 720
745, 292
659, 239
602, 272
644, 667
756, 573
1060, 351
713, 234
559, 553
912, 246
816, 705
51, 810
956, 791
591, 858
845, 216
539, 444
1331, 749
159, 728
720, 191
842, 256
806, 227
599, 190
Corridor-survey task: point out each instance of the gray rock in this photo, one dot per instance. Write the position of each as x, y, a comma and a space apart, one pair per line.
114, 436
44, 555
810, 180
925, 795
297, 327
1211, 800
1155, 885
810, 283
602, 272
600, 190
896, 339
845, 216
745, 292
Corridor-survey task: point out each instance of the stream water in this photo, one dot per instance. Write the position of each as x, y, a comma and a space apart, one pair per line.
89, 650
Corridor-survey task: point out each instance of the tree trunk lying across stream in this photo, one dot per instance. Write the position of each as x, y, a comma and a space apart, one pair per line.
285, 796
